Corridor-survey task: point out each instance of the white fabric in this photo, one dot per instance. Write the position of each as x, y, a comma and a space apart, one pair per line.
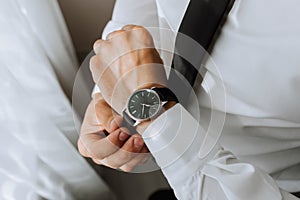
38, 157
257, 53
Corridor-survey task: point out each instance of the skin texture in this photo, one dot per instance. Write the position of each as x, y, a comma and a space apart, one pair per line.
118, 149
124, 62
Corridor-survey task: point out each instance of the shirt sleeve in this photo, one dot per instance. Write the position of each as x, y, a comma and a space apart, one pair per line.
143, 13
175, 138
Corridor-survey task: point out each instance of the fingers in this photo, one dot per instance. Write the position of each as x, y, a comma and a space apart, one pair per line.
141, 158
128, 151
100, 148
90, 123
115, 34
105, 115
129, 27
97, 46
99, 117
124, 35
117, 149
93, 143
82, 148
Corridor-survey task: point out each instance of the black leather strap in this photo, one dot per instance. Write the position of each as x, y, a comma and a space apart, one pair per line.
165, 94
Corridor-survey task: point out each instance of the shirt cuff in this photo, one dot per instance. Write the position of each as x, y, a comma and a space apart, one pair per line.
174, 139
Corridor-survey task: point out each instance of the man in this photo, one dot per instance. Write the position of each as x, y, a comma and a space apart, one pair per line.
258, 154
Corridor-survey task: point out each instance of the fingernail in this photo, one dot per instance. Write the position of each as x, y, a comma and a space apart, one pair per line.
123, 136
138, 142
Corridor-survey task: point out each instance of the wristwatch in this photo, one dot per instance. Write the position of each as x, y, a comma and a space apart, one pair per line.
145, 104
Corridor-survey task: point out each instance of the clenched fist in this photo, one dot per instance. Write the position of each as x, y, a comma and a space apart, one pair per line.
125, 62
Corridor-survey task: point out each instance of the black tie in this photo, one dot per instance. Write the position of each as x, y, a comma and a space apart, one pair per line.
201, 22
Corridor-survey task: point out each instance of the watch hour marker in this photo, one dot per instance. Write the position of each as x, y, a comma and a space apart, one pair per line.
132, 100
134, 112
142, 93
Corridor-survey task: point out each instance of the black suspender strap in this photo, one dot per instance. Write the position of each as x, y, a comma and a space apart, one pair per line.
201, 22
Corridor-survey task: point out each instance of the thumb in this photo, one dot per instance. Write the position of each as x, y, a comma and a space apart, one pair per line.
105, 115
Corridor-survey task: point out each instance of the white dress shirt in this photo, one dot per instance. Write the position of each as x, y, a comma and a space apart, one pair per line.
257, 55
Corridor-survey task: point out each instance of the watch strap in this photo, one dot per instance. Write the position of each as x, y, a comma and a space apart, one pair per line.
165, 94
128, 123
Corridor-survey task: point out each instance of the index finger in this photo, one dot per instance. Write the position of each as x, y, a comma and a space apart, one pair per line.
99, 147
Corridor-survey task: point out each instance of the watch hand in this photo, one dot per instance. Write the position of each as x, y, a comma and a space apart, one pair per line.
155, 105
143, 109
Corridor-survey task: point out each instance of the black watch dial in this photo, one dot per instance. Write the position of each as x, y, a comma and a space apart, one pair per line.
143, 104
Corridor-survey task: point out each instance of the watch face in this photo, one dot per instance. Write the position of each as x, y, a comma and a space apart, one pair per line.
143, 104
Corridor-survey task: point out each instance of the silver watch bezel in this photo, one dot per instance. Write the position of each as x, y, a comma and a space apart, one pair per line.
138, 120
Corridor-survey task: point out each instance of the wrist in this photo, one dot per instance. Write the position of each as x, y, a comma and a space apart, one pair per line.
141, 127
146, 104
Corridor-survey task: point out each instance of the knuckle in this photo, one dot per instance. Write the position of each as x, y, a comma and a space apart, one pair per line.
107, 163
117, 33
147, 38
110, 164
136, 27
148, 41
128, 27
114, 166
142, 30
98, 156
98, 43
97, 161
139, 30
101, 46
93, 153
127, 168
125, 155
144, 35
94, 62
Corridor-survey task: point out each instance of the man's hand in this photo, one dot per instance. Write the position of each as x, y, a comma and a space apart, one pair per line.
125, 62
117, 149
